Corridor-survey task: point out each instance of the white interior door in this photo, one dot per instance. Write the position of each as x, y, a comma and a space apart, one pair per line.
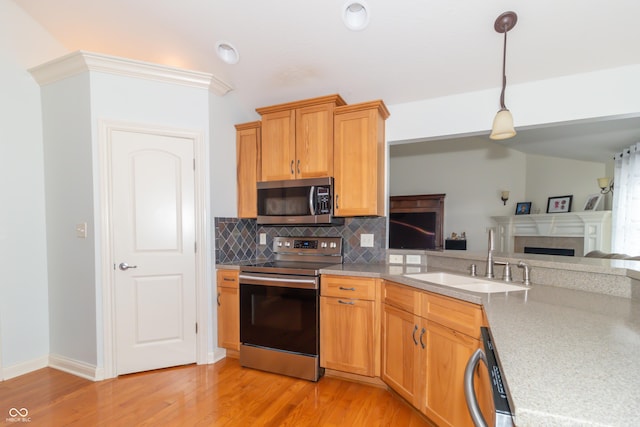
153, 241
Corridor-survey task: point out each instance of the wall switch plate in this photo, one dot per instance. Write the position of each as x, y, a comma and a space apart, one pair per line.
413, 259
263, 238
81, 230
366, 240
396, 259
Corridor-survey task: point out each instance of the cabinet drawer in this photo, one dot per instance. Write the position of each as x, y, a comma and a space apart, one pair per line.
348, 287
461, 316
402, 297
227, 278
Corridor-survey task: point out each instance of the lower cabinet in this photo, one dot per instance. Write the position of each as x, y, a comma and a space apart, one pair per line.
423, 360
349, 325
228, 301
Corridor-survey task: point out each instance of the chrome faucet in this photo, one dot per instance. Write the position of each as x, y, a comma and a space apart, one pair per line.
489, 274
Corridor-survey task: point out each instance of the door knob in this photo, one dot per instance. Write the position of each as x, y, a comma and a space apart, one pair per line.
124, 266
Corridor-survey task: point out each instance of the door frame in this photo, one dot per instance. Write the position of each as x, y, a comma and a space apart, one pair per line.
106, 257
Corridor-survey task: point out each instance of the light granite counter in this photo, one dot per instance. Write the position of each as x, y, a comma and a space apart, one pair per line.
569, 357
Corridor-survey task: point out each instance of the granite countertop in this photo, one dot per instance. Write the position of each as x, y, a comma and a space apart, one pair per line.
569, 357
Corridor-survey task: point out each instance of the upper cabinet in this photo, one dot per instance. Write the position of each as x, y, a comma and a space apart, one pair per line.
247, 168
298, 139
359, 159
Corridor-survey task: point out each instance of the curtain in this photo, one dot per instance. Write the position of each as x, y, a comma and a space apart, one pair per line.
625, 237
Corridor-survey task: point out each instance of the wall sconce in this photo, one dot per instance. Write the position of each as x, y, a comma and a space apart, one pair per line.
606, 185
504, 196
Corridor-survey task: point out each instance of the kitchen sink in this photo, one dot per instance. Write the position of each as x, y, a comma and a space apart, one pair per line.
466, 283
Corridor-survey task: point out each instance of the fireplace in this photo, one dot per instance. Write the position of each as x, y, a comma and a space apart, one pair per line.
549, 245
581, 232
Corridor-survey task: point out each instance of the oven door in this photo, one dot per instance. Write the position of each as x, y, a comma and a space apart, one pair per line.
280, 312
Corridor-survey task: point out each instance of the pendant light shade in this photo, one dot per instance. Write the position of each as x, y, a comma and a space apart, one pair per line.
503, 122
502, 125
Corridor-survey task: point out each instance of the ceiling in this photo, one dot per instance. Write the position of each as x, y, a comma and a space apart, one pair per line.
411, 49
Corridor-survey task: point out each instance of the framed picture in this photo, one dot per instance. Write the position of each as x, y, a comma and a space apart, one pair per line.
592, 202
523, 208
559, 204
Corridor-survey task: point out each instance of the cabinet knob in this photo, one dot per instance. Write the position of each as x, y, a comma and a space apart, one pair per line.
415, 329
298, 166
421, 335
218, 299
291, 167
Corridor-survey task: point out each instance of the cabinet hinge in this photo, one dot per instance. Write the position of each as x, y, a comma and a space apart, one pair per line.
194, 164
195, 247
196, 327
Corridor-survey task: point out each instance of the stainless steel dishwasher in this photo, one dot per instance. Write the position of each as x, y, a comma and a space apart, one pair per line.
501, 409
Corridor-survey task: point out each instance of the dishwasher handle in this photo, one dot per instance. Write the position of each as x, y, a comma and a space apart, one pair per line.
469, 391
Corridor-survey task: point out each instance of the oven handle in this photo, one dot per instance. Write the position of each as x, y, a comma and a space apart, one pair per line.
310, 282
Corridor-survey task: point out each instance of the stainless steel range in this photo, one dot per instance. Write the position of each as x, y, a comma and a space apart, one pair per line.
279, 306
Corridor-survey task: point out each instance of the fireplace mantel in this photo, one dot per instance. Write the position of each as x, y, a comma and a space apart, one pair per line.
594, 227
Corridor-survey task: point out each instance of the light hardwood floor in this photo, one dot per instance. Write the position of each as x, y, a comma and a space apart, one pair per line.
221, 394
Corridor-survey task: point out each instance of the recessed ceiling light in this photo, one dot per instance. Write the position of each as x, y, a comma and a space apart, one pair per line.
227, 52
356, 15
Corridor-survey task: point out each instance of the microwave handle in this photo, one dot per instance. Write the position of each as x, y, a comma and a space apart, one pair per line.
312, 206
469, 392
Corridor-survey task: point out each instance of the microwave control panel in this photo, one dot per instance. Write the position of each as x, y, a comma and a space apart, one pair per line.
323, 200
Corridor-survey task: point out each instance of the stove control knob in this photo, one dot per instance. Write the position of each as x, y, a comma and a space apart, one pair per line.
333, 245
323, 244
279, 244
287, 244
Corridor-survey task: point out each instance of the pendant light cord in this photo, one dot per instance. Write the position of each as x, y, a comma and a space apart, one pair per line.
504, 73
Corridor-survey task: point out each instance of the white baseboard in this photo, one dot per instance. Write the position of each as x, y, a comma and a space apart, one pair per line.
75, 367
217, 355
24, 367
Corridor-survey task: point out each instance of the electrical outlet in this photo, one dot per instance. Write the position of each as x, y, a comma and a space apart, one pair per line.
263, 238
413, 259
366, 240
396, 259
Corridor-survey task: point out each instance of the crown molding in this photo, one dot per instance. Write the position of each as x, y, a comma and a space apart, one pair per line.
81, 61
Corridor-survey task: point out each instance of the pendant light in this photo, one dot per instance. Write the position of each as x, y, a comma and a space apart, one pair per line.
503, 123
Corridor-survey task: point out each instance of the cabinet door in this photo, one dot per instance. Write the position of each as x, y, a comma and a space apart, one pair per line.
228, 318
359, 163
447, 354
228, 301
314, 141
402, 366
247, 167
278, 146
347, 335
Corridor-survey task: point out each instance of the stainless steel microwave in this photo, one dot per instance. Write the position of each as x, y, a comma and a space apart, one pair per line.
297, 202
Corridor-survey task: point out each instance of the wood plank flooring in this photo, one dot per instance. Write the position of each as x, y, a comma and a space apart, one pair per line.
221, 394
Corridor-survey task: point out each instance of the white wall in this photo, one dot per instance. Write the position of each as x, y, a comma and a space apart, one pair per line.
225, 112
24, 324
471, 174
550, 176
69, 194
581, 96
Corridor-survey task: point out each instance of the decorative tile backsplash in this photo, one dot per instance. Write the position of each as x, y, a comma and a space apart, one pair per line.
237, 239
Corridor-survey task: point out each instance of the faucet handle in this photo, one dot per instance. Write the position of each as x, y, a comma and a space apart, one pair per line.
526, 278
507, 270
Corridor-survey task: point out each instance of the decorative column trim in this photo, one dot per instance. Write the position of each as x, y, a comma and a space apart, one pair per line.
81, 61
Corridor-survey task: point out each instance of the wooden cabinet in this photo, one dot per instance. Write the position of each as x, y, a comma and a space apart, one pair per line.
403, 362
297, 139
359, 159
427, 340
228, 300
349, 325
247, 168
